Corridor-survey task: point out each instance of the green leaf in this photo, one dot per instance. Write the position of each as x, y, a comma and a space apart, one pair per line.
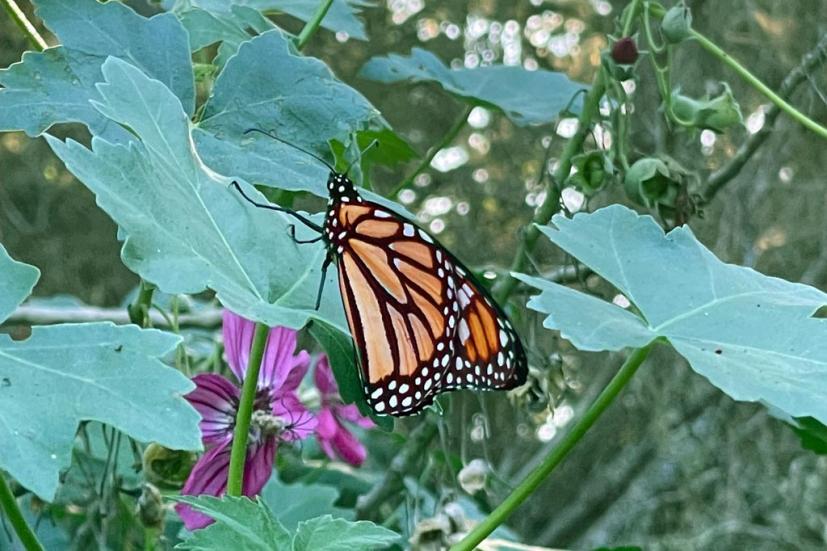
334, 534
267, 86
241, 523
812, 433
341, 17
16, 283
186, 229
342, 355
293, 503
230, 28
57, 85
64, 374
752, 336
525, 97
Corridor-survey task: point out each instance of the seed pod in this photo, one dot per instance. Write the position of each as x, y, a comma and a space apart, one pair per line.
677, 24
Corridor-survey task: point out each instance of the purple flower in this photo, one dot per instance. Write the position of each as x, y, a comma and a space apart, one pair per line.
333, 436
277, 413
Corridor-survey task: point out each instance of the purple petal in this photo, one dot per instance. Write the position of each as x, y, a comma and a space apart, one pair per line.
208, 477
258, 466
216, 399
279, 363
337, 441
323, 377
238, 340
350, 413
300, 422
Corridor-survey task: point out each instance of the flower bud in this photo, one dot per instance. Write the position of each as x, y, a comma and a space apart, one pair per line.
473, 476
648, 181
167, 468
716, 114
150, 506
624, 51
593, 169
677, 24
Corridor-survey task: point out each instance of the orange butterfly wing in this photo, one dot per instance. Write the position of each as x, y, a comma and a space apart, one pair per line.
421, 322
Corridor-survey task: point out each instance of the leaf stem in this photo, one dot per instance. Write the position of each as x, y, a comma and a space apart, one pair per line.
312, 26
551, 203
139, 310
443, 143
751, 79
241, 432
536, 477
19, 17
9, 505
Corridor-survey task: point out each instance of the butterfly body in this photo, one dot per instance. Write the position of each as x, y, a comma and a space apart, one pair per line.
421, 322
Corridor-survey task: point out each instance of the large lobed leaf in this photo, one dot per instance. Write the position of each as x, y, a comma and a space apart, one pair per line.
229, 26
186, 229
525, 97
65, 374
267, 86
754, 337
56, 85
242, 523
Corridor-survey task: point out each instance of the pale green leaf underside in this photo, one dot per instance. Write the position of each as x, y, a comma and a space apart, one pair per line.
335, 534
65, 374
241, 523
16, 283
57, 85
186, 229
525, 97
293, 503
751, 335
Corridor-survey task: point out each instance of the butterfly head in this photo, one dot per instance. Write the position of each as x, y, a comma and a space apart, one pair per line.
340, 188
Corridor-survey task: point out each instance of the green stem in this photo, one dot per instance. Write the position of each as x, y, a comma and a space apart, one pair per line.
17, 15
139, 310
533, 480
9, 505
752, 80
443, 143
310, 28
238, 453
551, 204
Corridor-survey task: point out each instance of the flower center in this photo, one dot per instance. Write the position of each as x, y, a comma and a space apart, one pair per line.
266, 424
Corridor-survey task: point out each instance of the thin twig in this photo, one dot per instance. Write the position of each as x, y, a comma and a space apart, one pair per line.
19, 17
721, 177
49, 315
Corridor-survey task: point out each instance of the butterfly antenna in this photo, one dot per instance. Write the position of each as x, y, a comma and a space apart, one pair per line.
367, 148
294, 146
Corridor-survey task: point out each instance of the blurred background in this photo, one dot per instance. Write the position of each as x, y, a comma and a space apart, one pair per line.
674, 464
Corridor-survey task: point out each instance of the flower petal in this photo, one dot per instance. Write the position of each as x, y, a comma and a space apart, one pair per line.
323, 376
344, 445
350, 413
258, 466
279, 361
300, 422
208, 477
327, 425
238, 340
216, 399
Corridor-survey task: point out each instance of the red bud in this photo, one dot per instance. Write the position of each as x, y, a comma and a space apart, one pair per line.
624, 51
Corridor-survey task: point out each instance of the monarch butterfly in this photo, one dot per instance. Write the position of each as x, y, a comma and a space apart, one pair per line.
422, 323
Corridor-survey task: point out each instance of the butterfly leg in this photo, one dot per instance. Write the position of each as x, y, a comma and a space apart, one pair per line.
303, 219
291, 229
325, 264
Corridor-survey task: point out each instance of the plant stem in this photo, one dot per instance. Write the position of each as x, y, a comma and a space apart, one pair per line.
751, 79
9, 505
238, 453
139, 310
533, 480
17, 15
551, 203
311, 26
443, 143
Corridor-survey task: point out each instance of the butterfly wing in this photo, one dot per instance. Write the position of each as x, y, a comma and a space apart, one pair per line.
421, 322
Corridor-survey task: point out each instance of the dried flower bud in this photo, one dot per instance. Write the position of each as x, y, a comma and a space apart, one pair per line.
677, 24
625, 51
167, 468
431, 534
150, 506
473, 476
